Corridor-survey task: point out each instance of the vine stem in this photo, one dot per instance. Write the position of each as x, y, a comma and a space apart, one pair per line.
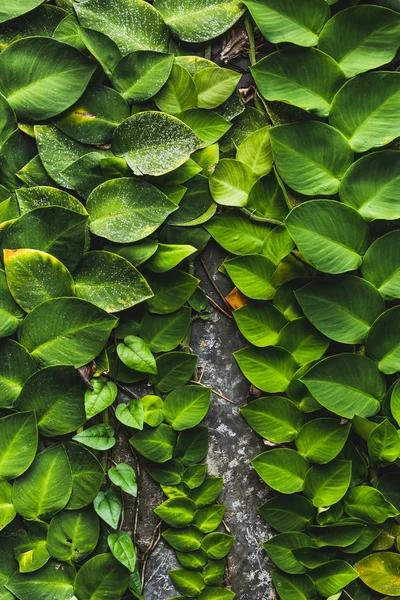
213, 391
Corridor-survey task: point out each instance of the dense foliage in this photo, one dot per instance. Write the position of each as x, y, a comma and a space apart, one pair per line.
123, 150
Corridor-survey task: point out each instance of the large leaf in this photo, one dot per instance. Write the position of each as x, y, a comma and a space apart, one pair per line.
252, 275
327, 484
269, 369
260, 323
347, 385
214, 86
100, 577
45, 488
361, 38
303, 341
342, 309
66, 331
57, 76
73, 534
55, 394
187, 406
321, 440
293, 587
371, 185
49, 581
10, 10
289, 21
331, 577
165, 332
8, 512
87, 475
306, 78
110, 282
364, 110
155, 444
280, 550
171, 290
140, 75
382, 343
368, 504
380, 572
127, 210
380, 265
330, 235
179, 92
311, 157
285, 513
10, 312
15, 368
117, 19
275, 418
34, 277
236, 233
154, 143
231, 182
173, 370
54, 230
199, 20
31, 548
282, 469
18, 443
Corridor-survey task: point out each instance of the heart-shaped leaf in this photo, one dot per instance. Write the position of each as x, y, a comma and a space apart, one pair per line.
327, 484
123, 549
98, 437
282, 469
101, 575
231, 182
321, 440
155, 444
73, 534
124, 477
179, 92
252, 275
100, 397
186, 407
260, 323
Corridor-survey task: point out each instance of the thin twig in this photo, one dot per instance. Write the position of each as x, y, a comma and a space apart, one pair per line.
207, 272
213, 391
218, 307
138, 480
155, 538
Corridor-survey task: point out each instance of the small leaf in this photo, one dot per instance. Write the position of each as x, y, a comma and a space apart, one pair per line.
269, 369
282, 469
260, 323
217, 545
186, 407
99, 437
384, 443
131, 413
231, 182
123, 549
186, 582
327, 484
124, 477
18, 443
108, 506
138, 76
173, 370
8, 511
155, 444
280, 549
87, 475
177, 512
135, 354
252, 275
283, 514
178, 93
103, 394
274, 418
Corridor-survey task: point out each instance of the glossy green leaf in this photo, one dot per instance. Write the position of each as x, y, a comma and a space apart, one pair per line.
8, 511
283, 469
138, 76
154, 143
108, 505
10, 10
382, 343
30, 549
87, 476
321, 440
384, 443
168, 256
361, 38
269, 369
186, 407
66, 331
73, 534
380, 572
187, 539
236, 233
231, 182
192, 446
15, 368
10, 312
303, 341
252, 275
217, 545
165, 332
260, 323
123, 550
311, 157
198, 20
178, 93
186, 582
131, 414
332, 577
330, 235
55, 394
155, 444
57, 76
288, 21
135, 253
18, 443
45, 488
255, 151
177, 512
135, 354
173, 370
51, 579
274, 418
207, 519
268, 198
98, 437
368, 120
100, 397
368, 504
40, 196
124, 477
214, 85
101, 576
293, 587
305, 78
171, 290
380, 265
283, 513
208, 125
342, 309
327, 484
280, 550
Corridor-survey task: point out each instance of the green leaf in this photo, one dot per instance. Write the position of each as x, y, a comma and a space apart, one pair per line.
327, 484
101, 576
380, 265
214, 593
192, 445
186, 582
346, 384
73, 534
165, 332
171, 290
186, 407
123, 550
76, 339
280, 549
8, 511
168, 256
34, 277
198, 20
293, 587
208, 125
306, 78
100, 397
255, 151
120, 209
382, 343
194, 476
284, 21
283, 513
274, 418
371, 185
252, 275
136, 253
268, 198
368, 504
57, 231
124, 476
87, 476
167, 474
297, 150
138, 76
40, 196
131, 414
16, 152
330, 235
260, 323
368, 120
208, 492
177, 512
332, 577
215, 85
303, 341
18, 443
55, 394
50, 580
45, 488
217, 545
16, 367
9, 10
135, 354
231, 182
395, 402
361, 38
282, 469
331, 307
380, 572
10, 312
155, 444
57, 76
384, 443
108, 505
214, 572
207, 519
269, 369
98, 437
154, 143
178, 93
236, 233
321, 440
117, 19
183, 540
30, 549
173, 370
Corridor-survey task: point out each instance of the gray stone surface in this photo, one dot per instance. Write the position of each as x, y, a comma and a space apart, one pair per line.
232, 446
